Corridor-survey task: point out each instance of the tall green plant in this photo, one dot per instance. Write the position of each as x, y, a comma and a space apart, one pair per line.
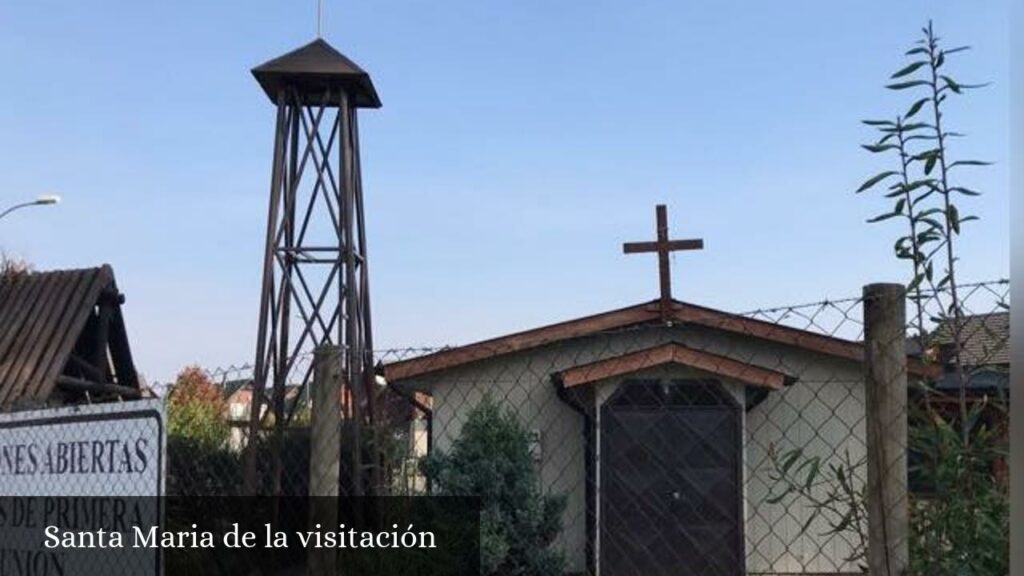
963, 530
925, 189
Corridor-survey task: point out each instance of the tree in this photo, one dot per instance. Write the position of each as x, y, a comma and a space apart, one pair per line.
491, 460
11, 267
195, 410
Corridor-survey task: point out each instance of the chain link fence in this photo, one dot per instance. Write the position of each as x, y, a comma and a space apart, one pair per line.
687, 441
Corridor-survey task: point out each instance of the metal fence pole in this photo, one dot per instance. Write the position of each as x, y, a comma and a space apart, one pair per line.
325, 453
885, 365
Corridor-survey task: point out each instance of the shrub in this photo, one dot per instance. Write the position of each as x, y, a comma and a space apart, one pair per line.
963, 529
491, 460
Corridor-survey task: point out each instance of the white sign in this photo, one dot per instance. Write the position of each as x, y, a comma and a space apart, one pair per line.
80, 468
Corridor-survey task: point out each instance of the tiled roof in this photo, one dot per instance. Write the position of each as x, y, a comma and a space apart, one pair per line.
985, 338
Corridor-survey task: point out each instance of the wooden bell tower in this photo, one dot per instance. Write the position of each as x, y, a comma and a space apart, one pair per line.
315, 284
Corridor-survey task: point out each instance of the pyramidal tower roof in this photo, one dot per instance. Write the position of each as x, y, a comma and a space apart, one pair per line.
312, 71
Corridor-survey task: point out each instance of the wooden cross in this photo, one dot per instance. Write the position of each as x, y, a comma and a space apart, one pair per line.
663, 246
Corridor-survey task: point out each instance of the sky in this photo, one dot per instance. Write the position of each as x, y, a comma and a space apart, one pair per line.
520, 143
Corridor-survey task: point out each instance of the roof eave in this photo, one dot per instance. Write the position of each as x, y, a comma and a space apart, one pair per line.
674, 354
647, 312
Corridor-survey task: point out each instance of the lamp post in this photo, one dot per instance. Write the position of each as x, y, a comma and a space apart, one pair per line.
44, 200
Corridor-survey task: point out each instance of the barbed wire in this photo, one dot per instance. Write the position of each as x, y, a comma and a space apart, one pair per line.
779, 428
832, 317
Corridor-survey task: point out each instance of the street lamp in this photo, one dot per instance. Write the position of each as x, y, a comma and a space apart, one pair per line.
44, 200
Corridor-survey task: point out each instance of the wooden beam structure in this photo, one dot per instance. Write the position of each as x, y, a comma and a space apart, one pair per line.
678, 354
315, 283
62, 334
97, 388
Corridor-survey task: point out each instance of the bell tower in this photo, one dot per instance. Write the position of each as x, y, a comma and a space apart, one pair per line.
315, 283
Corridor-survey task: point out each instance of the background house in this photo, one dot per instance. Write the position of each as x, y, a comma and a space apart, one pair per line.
985, 353
238, 405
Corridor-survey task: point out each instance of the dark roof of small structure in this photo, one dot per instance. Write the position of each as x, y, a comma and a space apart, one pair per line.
982, 379
62, 332
314, 69
646, 313
985, 338
229, 387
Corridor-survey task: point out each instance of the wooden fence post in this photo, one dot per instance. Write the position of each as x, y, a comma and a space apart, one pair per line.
324, 454
885, 365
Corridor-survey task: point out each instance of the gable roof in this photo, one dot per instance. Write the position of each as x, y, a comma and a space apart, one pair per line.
313, 68
646, 313
673, 353
62, 331
985, 338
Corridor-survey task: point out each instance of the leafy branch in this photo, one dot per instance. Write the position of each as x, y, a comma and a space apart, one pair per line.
908, 196
830, 491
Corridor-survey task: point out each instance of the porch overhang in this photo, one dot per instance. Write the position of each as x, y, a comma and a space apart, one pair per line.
678, 354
